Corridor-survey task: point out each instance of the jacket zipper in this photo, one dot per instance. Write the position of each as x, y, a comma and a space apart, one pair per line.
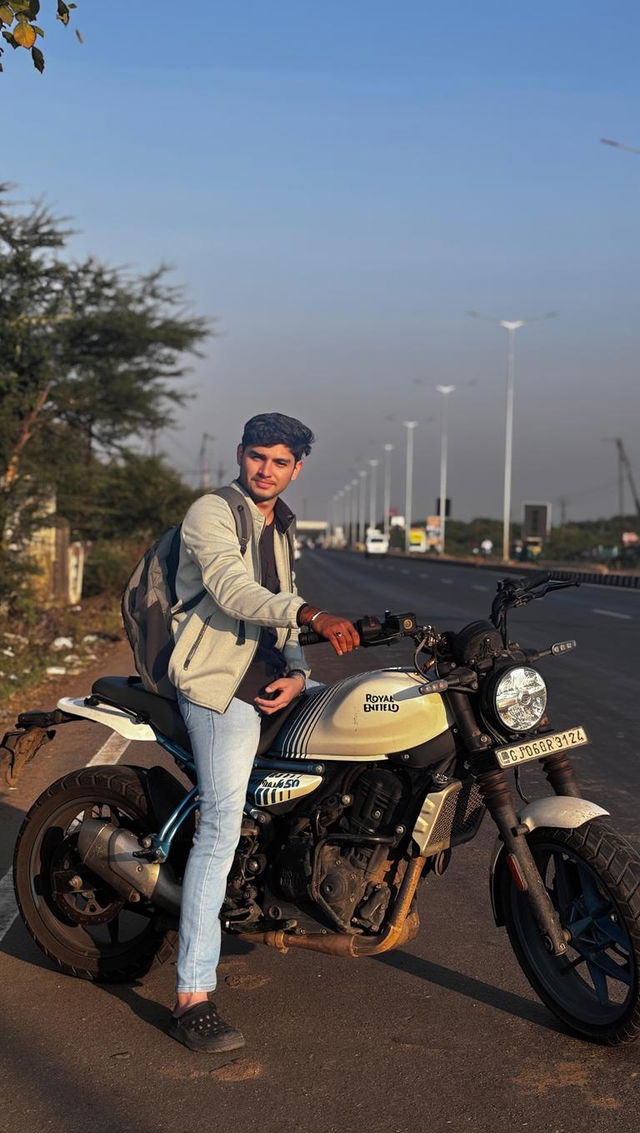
189, 657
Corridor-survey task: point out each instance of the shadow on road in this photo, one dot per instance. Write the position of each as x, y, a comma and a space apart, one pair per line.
149, 1010
478, 990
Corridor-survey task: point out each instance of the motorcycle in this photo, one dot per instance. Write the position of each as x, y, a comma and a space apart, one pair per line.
360, 790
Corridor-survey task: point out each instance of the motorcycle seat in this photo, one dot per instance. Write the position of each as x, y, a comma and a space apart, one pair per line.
164, 715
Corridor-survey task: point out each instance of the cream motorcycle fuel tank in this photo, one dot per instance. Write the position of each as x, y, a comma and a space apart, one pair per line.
363, 717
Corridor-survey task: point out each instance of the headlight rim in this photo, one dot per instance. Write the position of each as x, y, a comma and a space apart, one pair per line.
499, 720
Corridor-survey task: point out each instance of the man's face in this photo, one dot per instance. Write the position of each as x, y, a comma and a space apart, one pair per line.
267, 470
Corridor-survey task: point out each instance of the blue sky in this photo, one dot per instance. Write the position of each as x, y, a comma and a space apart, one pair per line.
336, 185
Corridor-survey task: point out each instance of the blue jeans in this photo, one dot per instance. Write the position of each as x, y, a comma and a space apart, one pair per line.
224, 746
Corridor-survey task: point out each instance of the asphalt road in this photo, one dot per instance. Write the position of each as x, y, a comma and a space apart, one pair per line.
444, 1034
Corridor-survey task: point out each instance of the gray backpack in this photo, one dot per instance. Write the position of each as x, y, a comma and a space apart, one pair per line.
149, 599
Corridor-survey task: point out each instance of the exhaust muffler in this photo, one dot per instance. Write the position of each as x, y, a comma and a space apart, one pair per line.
109, 851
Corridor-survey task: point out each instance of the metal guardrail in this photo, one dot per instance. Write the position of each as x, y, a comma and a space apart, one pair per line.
564, 573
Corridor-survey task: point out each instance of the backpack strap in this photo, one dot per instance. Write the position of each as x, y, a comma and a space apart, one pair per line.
236, 503
239, 512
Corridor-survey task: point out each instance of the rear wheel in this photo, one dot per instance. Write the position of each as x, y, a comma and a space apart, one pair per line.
77, 919
593, 878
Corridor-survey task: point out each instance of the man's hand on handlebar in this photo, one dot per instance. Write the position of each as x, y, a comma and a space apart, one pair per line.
340, 632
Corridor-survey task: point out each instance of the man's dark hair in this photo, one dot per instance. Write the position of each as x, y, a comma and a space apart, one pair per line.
276, 429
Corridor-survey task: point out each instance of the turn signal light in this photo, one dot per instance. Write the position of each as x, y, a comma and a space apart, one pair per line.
562, 647
433, 686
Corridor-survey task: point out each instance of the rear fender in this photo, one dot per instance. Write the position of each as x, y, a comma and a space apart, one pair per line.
115, 718
553, 811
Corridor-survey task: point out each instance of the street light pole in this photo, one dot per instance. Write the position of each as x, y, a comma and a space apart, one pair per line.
408, 494
347, 514
339, 514
362, 514
511, 326
372, 494
445, 391
354, 511
388, 449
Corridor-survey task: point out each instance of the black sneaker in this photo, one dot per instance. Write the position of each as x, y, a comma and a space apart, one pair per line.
201, 1028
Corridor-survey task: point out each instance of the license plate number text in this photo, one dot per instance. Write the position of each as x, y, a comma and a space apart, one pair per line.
542, 746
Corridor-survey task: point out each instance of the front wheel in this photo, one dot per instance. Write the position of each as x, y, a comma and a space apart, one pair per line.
592, 876
77, 919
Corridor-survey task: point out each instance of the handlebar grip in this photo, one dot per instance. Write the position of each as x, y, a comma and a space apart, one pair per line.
368, 628
309, 637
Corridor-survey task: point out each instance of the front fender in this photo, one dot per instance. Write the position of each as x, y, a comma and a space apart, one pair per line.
562, 811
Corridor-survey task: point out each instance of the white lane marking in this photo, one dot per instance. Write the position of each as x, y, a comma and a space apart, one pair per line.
612, 614
110, 752
447, 581
479, 587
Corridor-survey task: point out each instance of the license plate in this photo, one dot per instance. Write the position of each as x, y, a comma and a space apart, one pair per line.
542, 746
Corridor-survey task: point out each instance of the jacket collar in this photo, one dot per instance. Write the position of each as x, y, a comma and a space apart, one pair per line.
284, 517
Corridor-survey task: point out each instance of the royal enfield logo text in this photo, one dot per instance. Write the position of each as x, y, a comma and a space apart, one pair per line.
382, 702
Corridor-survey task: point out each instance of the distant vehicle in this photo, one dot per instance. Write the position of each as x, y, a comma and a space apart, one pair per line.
297, 549
376, 543
417, 539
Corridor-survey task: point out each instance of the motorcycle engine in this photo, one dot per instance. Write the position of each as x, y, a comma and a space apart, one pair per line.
327, 857
348, 872
240, 905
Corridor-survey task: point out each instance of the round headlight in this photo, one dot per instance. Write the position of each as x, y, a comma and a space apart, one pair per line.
520, 699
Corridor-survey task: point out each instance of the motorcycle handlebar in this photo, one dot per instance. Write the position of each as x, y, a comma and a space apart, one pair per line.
371, 630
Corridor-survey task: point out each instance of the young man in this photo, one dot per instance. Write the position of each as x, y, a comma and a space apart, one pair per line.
238, 643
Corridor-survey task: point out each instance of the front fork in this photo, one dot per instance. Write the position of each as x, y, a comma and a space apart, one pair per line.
498, 799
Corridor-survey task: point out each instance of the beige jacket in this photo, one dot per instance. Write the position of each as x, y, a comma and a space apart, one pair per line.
215, 641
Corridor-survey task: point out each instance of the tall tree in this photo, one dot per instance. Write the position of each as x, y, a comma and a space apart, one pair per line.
91, 357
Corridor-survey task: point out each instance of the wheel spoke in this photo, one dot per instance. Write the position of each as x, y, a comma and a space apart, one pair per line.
599, 981
609, 967
613, 930
593, 897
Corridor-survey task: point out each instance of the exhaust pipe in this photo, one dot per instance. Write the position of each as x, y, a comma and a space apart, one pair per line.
402, 926
109, 851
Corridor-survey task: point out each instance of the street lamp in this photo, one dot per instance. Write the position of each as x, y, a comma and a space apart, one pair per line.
388, 449
362, 513
373, 464
339, 512
347, 514
445, 391
511, 326
354, 511
408, 501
